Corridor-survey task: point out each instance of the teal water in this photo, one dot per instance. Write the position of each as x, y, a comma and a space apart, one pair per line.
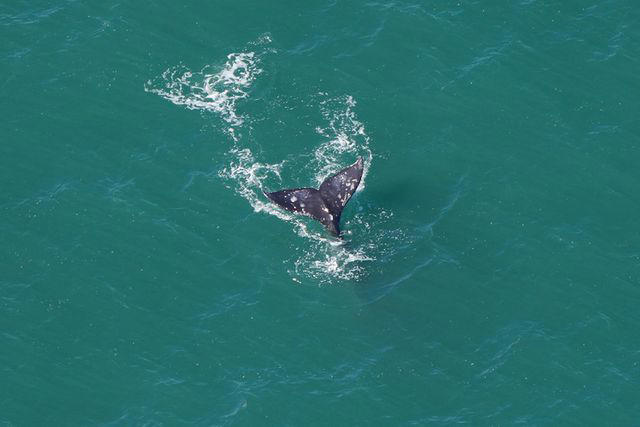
491, 273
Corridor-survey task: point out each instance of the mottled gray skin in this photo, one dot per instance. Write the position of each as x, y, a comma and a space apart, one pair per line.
326, 203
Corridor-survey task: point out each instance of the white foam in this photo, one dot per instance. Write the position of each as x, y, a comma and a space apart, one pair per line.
248, 175
338, 263
210, 91
345, 139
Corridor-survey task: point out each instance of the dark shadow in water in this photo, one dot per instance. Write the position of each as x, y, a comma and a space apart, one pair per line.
416, 245
399, 195
372, 291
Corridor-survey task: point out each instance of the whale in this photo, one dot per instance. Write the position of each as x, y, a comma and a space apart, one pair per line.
326, 203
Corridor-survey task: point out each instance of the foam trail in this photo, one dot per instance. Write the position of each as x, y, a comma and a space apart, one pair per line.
206, 90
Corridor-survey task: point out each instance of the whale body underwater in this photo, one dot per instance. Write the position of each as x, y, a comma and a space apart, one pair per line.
326, 203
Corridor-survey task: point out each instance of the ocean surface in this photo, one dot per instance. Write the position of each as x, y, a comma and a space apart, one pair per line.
490, 271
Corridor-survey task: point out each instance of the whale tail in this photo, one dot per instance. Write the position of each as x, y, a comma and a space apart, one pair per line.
325, 204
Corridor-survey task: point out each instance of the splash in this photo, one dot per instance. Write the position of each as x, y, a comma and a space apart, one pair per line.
327, 260
220, 89
247, 176
345, 139
336, 263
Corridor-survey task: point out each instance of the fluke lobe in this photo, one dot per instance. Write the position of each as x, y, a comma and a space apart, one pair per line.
326, 203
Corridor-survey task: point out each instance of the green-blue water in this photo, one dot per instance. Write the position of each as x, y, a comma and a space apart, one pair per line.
491, 270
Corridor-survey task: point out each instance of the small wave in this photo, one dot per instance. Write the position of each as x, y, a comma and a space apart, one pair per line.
30, 16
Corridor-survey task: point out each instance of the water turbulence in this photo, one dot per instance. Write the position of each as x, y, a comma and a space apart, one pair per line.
218, 90
208, 90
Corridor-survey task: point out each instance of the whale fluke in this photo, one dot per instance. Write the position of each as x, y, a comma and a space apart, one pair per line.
326, 204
